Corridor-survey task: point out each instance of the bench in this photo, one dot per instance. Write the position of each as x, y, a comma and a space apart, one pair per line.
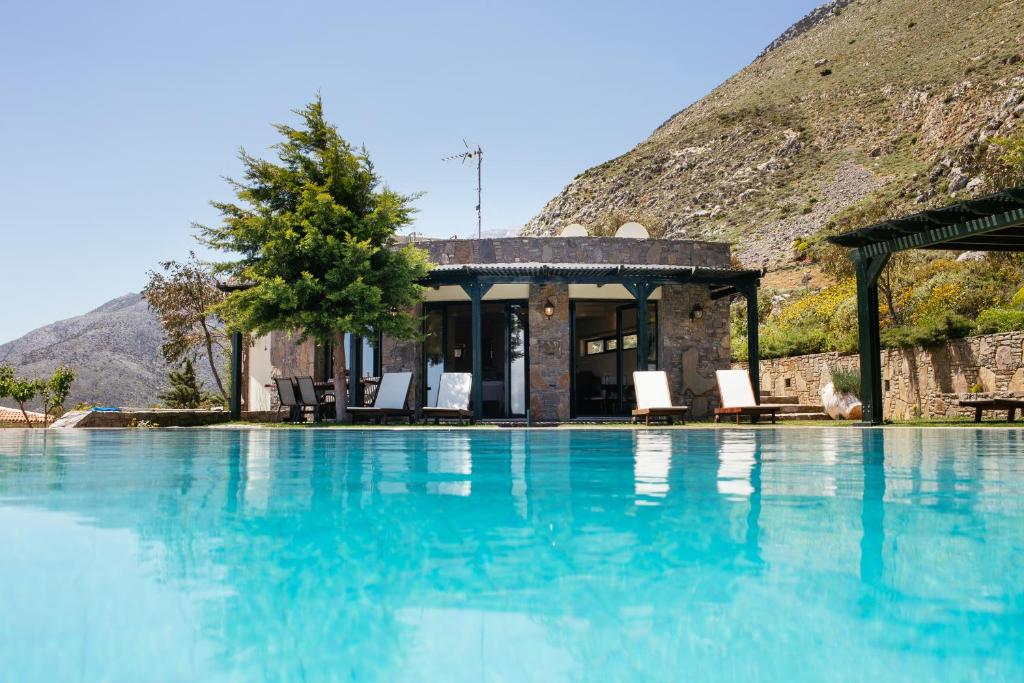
1010, 405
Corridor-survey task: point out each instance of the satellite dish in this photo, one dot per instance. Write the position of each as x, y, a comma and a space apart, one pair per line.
574, 230
632, 230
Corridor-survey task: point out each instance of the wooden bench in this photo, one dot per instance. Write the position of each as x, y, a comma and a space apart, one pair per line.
1010, 405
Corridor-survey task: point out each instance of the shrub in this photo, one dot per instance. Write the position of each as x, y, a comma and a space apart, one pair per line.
928, 333
845, 381
999, 320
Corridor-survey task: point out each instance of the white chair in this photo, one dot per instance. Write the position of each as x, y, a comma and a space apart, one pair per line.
452, 398
653, 398
738, 396
391, 399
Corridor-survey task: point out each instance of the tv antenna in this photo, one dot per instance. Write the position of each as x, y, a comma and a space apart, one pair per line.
477, 153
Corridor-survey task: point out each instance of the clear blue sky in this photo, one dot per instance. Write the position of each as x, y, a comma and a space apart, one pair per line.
119, 119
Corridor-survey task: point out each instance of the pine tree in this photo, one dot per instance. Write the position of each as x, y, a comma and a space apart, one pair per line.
316, 237
186, 390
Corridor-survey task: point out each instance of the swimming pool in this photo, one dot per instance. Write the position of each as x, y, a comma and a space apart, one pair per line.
788, 554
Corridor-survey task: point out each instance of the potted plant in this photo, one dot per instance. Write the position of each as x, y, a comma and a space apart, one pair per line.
841, 396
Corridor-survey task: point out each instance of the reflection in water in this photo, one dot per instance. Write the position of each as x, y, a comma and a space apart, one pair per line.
439, 555
257, 468
652, 460
451, 466
736, 460
872, 517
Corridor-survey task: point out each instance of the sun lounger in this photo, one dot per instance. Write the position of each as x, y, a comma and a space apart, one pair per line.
452, 398
738, 397
391, 399
1010, 405
653, 398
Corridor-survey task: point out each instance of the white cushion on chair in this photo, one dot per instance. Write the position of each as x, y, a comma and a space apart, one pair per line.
393, 390
453, 392
734, 386
651, 389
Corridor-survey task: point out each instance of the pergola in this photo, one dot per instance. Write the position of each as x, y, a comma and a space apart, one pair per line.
992, 223
640, 281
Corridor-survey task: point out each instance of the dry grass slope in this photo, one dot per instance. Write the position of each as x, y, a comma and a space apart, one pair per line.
880, 98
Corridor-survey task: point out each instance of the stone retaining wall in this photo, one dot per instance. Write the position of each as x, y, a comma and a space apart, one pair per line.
916, 382
169, 418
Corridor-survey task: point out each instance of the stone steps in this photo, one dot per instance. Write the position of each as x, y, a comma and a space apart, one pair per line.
790, 408
770, 400
819, 416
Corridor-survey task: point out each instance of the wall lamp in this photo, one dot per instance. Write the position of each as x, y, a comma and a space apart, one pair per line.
697, 312
549, 308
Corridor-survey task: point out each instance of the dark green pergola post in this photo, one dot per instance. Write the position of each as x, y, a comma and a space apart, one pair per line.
476, 291
749, 292
641, 291
870, 341
236, 375
355, 367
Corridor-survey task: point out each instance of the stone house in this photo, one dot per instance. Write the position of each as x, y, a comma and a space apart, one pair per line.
552, 328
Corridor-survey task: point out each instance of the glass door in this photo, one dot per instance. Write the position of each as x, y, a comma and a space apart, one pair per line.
604, 356
448, 347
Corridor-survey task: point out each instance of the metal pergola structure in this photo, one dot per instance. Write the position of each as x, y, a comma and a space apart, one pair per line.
991, 223
640, 281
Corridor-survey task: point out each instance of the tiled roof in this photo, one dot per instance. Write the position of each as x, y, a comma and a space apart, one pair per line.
13, 416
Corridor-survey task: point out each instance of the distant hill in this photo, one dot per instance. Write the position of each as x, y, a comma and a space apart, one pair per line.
879, 101
115, 350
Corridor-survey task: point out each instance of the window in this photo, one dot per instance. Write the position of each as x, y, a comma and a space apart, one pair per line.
595, 346
628, 341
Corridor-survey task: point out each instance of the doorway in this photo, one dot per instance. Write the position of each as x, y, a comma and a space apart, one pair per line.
448, 347
605, 354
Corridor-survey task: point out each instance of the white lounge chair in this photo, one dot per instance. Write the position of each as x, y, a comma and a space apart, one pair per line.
653, 398
738, 396
391, 400
452, 398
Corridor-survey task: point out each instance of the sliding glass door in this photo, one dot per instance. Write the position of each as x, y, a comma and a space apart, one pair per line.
605, 356
448, 347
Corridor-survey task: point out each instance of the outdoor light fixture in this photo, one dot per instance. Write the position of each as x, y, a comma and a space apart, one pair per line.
697, 312
549, 308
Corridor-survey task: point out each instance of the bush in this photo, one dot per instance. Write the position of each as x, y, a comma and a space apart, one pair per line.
928, 333
845, 381
999, 320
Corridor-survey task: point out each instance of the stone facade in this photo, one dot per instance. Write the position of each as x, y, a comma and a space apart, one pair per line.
578, 250
689, 350
550, 353
915, 382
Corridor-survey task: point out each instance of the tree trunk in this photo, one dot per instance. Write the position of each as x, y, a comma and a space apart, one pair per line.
27, 421
213, 364
340, 388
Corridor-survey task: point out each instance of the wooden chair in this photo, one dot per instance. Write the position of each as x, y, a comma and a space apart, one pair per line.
738, 397
653, 398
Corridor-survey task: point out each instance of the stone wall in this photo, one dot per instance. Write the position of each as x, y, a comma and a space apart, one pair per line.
578, 250
915, 382
692, 350
550, 351
169, 418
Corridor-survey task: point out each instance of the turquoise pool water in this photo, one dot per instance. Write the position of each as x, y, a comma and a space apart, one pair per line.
497, 555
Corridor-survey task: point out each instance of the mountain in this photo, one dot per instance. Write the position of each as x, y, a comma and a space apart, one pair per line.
114, 349
863, 103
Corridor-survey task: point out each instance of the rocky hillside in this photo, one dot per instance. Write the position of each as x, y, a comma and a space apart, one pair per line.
115, 350
879, 101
